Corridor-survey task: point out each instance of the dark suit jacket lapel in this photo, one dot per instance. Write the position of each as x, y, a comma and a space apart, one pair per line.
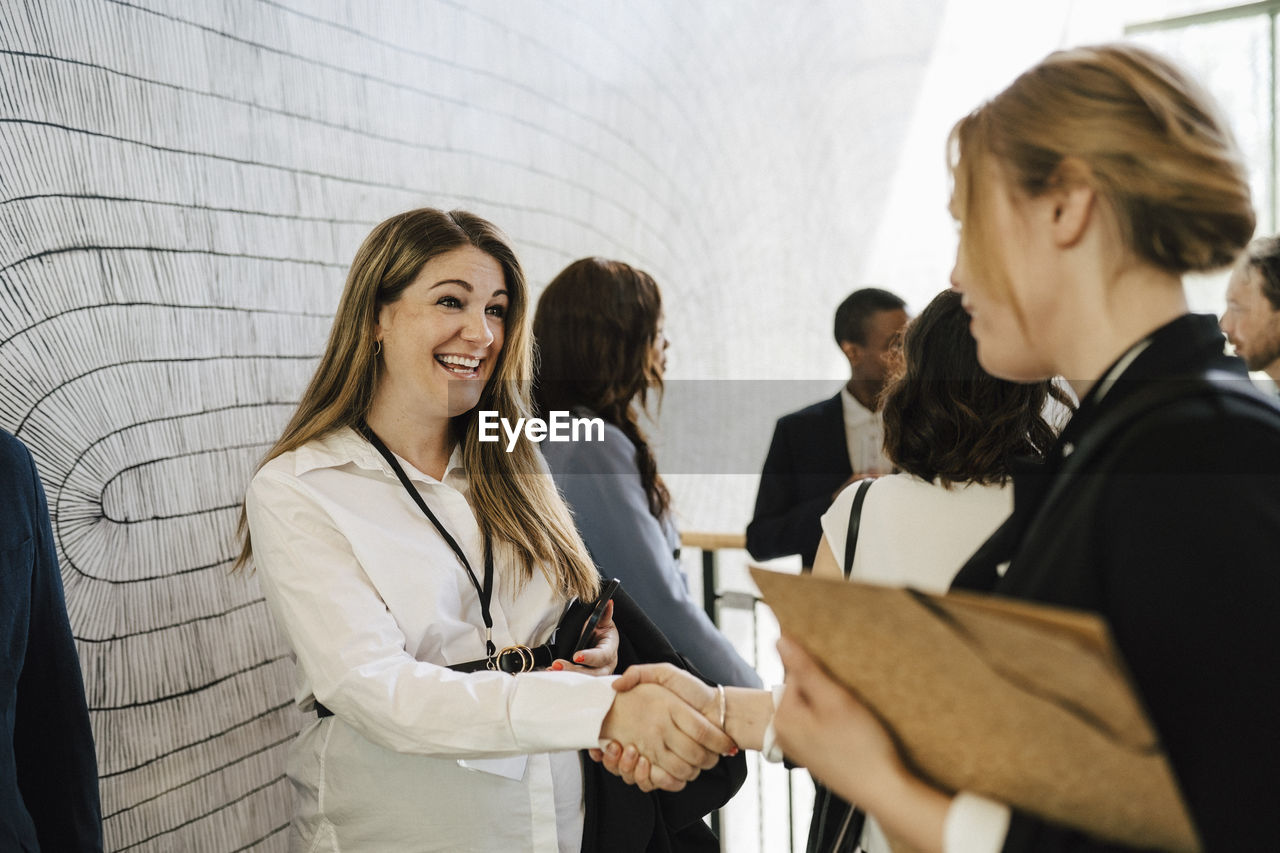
831, 448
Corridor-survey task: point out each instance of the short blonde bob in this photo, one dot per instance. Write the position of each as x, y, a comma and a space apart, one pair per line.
1156, 151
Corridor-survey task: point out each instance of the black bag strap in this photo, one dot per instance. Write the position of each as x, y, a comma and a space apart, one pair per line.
485, 590
855, 521
837, 825
850, 835
1154, 396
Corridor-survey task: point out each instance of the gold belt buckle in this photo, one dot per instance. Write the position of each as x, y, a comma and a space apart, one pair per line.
526, 658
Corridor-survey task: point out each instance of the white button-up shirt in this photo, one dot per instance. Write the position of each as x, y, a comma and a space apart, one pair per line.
864, 437
375, 604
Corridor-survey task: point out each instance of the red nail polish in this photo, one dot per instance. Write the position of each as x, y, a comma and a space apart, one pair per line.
557, 666
580, 658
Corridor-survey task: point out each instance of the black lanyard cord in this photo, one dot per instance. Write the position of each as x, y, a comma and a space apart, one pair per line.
485, 591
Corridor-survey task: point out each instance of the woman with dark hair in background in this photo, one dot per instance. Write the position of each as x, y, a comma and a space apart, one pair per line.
953, 432
1084, 192
374, 519
601, 351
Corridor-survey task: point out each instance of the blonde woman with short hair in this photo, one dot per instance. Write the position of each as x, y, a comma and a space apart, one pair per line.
1084, 192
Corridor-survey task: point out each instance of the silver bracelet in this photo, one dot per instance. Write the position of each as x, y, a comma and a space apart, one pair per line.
723, 704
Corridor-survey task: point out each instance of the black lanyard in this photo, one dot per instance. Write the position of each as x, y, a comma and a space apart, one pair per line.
485, 591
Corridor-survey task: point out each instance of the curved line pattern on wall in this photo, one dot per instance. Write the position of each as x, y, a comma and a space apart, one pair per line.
182, 185
177, 247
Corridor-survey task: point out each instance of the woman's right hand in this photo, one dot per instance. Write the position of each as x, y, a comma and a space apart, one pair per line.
823, 727
686, 685
624, 760
673, 736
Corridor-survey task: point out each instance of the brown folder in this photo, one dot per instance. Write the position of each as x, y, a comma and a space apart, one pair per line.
1027, 704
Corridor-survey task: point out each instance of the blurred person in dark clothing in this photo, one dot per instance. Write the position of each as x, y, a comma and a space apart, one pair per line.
48, 770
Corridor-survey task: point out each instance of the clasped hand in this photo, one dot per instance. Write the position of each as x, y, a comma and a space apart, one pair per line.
660, 712
664, 716
819, 725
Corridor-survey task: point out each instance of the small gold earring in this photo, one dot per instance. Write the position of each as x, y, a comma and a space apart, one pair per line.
377, 348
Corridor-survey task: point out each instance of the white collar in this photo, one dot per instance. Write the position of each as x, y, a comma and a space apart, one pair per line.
346, 446
854, 412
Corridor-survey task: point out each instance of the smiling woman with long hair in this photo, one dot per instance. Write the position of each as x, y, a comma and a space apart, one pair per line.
399, 555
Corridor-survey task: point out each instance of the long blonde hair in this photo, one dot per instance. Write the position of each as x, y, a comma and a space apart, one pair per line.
514, 499
1157, 152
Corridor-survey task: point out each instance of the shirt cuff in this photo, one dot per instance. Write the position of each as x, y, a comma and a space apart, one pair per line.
769, 747
975, 824
553, 711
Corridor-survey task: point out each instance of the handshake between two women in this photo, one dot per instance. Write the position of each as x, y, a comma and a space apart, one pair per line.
819, 725
666, 725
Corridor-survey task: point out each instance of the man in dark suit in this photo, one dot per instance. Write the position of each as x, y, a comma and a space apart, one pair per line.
48, 771
820, 449
1252, 319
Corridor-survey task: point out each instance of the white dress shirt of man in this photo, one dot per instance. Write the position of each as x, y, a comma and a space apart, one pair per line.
871, 356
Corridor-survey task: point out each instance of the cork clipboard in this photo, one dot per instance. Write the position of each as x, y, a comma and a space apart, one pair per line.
1027, 704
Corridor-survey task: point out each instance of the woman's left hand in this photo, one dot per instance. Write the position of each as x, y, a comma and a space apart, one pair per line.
823, 727
601, 657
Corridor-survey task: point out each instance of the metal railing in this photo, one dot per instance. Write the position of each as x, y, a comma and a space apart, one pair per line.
771, 812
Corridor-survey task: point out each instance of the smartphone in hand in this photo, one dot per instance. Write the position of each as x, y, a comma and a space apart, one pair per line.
607, 589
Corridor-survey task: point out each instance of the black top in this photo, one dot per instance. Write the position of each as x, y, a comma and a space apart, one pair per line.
48, 772
808, 460
1170, 531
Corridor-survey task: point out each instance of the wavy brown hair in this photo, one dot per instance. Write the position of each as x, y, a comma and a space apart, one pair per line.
948, 420
596, 326
513, 498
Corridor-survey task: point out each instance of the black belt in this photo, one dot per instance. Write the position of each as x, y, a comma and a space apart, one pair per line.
511, 660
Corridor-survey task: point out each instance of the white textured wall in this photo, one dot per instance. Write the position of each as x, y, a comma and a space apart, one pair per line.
182, 183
